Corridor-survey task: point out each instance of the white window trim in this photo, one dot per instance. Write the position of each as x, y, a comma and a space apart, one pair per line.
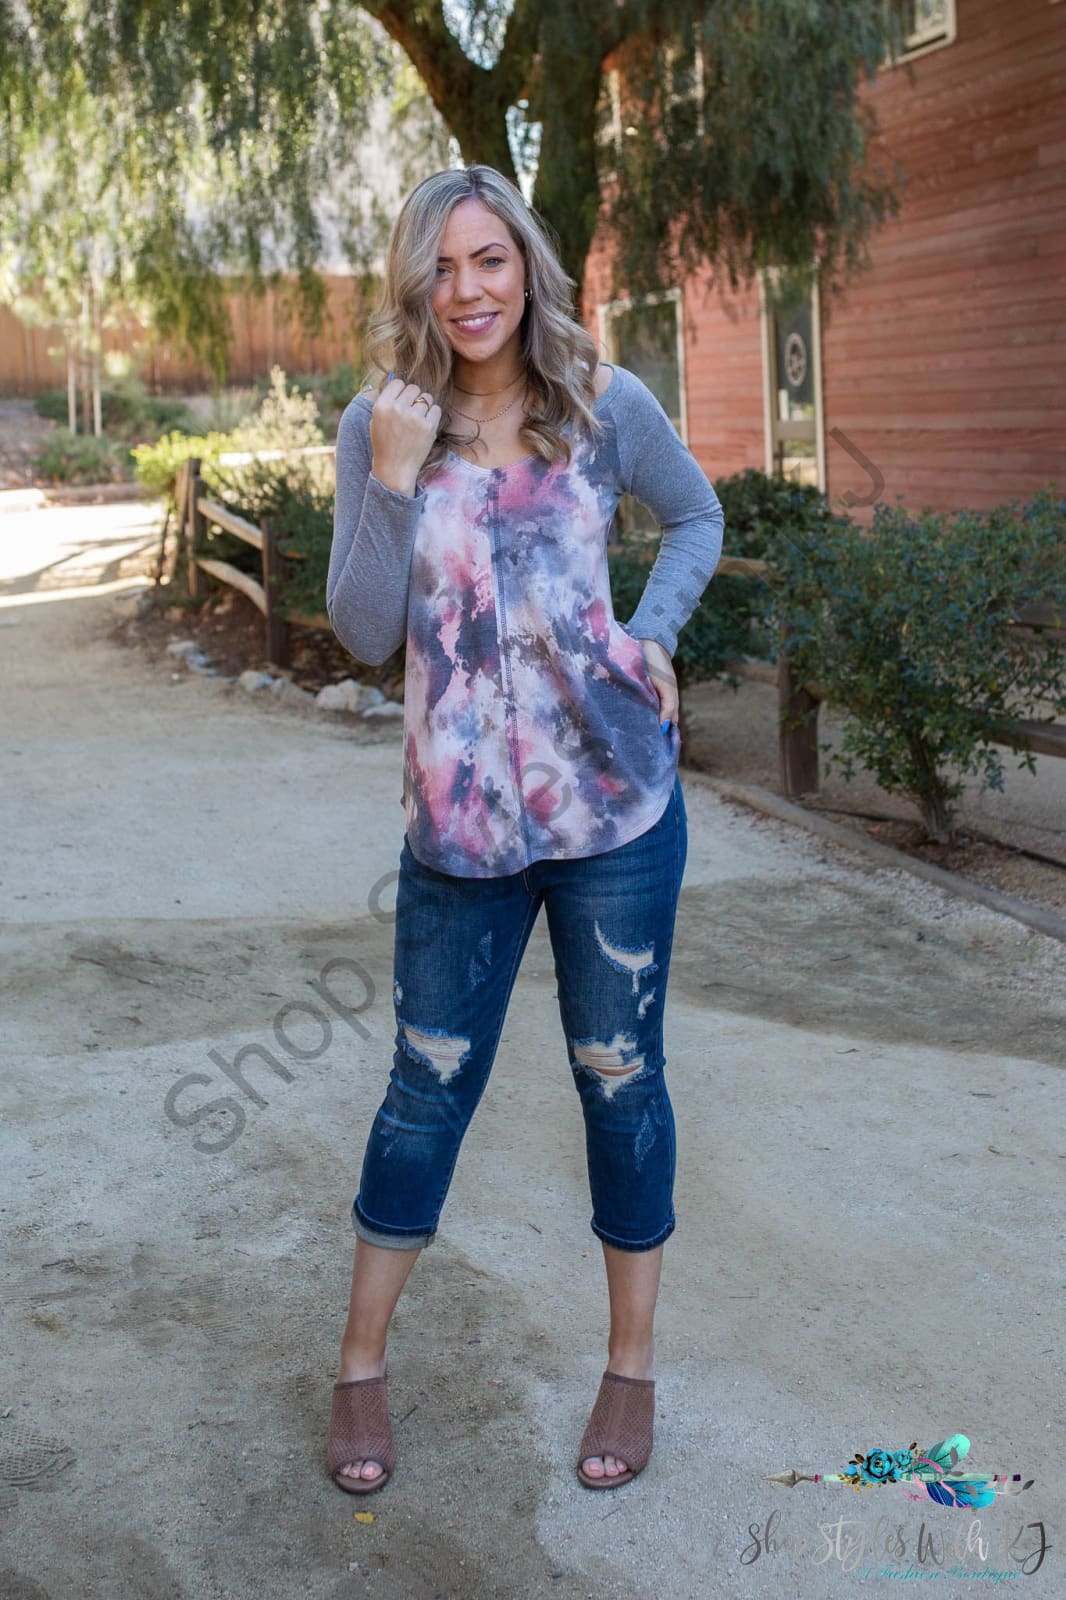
912, 52
608, 308
769, 398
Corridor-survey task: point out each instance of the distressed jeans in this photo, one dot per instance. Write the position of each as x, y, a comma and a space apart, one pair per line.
459, 944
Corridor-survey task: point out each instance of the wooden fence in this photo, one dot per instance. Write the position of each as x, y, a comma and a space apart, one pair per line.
196, 511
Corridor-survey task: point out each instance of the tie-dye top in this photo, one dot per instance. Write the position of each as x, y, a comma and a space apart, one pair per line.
531, 724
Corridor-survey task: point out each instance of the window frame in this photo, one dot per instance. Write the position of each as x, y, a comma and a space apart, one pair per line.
911, 52
608, 309
768, 363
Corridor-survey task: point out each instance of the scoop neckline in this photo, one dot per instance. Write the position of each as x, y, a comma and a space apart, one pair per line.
533, 455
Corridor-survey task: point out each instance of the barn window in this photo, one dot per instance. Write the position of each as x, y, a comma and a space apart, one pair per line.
925, 25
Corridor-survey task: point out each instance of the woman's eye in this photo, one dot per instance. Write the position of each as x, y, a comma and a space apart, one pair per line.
490, 259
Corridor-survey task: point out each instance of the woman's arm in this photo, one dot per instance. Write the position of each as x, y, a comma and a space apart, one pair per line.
664, 475
373, 541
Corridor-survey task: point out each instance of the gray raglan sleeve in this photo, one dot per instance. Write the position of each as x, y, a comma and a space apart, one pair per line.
373, 541
664, 475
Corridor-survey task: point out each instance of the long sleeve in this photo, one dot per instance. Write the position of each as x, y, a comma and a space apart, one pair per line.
663, 474
373, 541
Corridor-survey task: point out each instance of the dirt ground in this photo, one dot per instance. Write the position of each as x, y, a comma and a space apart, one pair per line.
867, 1081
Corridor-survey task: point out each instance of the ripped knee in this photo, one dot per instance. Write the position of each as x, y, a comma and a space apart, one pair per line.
613, 1062
444, 1053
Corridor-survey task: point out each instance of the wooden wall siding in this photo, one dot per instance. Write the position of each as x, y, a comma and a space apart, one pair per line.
945, 362
261, 334
724, 385
723, 356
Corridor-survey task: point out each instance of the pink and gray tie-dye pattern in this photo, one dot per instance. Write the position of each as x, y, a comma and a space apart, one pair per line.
531, 724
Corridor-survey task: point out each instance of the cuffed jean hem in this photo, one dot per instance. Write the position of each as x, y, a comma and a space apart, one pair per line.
391, 1239
629, 1244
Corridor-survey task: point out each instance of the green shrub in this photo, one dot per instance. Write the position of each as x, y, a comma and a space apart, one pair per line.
718, 630
905, 629
53, 405
82, 458
156, 465
331, 391
128, 412
732, 618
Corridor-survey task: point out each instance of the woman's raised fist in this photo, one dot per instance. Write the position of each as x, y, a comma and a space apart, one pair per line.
403, 427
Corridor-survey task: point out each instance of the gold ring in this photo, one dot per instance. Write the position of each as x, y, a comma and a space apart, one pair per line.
426, 397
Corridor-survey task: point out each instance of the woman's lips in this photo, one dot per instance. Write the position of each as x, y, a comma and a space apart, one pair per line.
472, 330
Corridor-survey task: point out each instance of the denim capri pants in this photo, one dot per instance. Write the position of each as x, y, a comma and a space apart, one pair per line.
459, 944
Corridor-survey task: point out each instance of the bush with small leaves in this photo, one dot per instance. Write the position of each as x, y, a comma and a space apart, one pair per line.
907, 631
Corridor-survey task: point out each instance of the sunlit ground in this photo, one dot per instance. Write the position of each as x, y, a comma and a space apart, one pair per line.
65, 552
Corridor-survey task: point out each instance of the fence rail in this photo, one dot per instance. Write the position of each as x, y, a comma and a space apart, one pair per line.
196, 511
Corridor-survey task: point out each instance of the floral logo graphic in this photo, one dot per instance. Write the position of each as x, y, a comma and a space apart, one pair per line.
935, 1472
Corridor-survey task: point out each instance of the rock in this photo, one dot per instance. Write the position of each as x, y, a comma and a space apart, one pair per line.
348, 695
343, 696
289, 693
254, 681
390, 708
189, 651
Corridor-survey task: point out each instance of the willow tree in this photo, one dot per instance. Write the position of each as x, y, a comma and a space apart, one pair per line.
741, 136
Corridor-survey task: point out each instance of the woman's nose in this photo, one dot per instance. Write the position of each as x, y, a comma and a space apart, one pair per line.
466, 284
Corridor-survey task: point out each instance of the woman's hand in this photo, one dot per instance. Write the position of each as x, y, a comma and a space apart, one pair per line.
661, 671
402, 434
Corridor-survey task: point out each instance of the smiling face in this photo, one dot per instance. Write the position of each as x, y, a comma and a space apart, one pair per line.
479, 295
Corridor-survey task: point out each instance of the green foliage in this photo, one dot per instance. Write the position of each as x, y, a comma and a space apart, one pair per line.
731, 619
718, 630
760, 510
128, 411
764, 155
53, 405
156, 465
905, 629
286, 419
244, 115
331, 391
82, 458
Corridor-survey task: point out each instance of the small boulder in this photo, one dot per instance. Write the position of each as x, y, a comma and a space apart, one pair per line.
253, 681
390, 708
348, 695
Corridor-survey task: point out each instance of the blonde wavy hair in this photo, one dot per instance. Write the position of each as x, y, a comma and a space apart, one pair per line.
405, 337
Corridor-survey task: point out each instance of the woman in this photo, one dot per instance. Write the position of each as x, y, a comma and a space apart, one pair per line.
475, 491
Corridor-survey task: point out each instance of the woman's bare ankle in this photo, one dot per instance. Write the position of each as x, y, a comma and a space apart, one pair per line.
360, 1361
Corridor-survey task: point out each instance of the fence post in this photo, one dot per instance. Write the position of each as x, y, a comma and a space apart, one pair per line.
798, 722
194, 527
179, 537
277, 632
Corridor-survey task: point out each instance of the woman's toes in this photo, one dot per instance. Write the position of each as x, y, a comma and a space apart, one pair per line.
372, 1469
593, 1466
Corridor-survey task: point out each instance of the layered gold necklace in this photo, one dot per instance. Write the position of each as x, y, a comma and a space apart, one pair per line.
509, 406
